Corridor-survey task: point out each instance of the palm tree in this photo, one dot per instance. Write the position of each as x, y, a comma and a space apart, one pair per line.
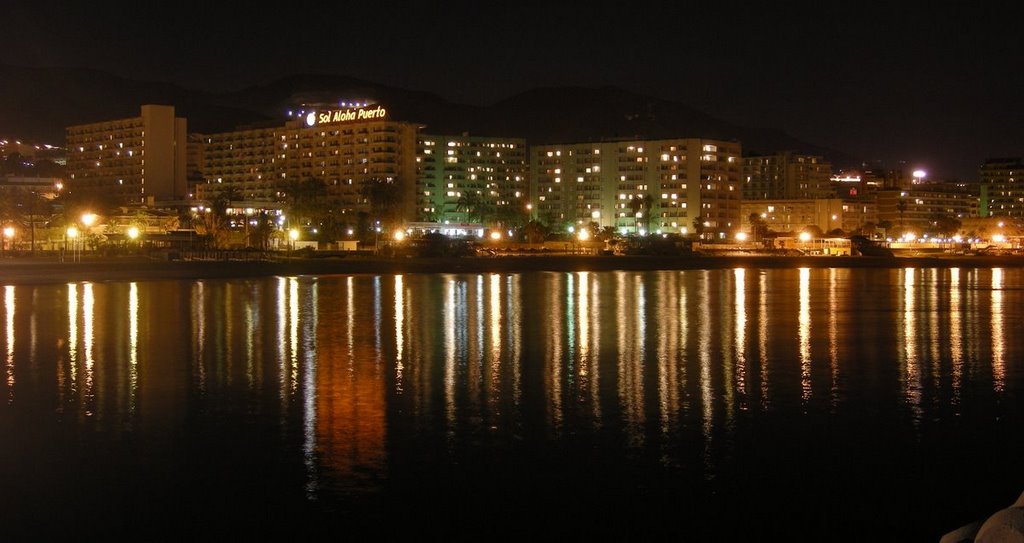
307, 200
698, 226
901, 206
647, 204
385, 198
641, 205
757, 226
470, 203
635, 205
535, 231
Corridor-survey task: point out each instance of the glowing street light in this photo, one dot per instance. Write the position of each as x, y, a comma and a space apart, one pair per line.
399, 235
919, 175
133, 232
805, 236
72, 232
741, 236
584, 234
999, 238
495, 235
293, 234
88, 219
8, 234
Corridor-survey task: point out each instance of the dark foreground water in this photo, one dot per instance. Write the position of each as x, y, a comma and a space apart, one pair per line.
812, 404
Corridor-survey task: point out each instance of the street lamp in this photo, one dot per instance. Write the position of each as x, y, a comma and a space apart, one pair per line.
8, 235
88, 219
293, 235
72, 234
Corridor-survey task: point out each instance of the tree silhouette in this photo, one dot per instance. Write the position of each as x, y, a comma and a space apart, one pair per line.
385, 198
470, 203
307, 200
758, 227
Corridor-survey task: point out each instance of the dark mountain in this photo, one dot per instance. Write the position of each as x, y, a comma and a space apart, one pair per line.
37, 104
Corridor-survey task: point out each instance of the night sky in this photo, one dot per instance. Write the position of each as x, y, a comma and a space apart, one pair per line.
938, 89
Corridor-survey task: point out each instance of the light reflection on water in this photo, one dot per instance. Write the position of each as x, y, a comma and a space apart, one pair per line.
369, 377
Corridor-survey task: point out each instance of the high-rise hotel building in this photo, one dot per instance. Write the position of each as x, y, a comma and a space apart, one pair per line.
345, 148
786, 175
129, 160
460, 172
676, 183
1002, 182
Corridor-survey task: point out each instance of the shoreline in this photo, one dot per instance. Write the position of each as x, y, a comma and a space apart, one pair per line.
17, 271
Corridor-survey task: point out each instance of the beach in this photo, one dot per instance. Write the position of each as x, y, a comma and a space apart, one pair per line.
42, 270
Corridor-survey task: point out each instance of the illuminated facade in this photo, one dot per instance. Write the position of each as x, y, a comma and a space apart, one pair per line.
458, 173
1003, 186
129, 160
653, 185
922, 205
241, 161
345, 149
786, 176
796, 214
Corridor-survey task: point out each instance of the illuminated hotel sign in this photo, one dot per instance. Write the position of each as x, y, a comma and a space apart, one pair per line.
346, 115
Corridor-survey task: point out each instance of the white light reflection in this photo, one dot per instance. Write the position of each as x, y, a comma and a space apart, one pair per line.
955, 333
805, 334
592, 316
706, 392
515, 312
762, 336
584, 320
632, 327
282, 344
449, 355
475, 320
88, 303
133, 344
998, 341
553, 365
73, 334
350, 317
833, 337
667, 353
309, 370
376, 320
740, 333
494, 310
293, 334
250, 358
9, 318
684, 339
399, 332
912, 384
933, 327
199, 331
